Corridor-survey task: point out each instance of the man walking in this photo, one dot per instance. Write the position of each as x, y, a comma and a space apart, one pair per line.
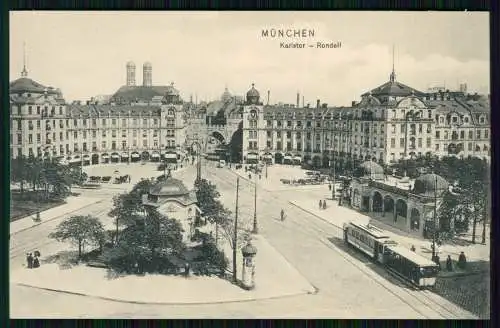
30, 261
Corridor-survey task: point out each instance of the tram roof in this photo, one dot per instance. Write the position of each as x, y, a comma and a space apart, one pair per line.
370, 229
412, 256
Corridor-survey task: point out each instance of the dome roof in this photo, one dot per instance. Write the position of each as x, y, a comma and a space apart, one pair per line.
428, 183
171, 91
169, 188
371, 169
147, 64
130, 64
253, 92
226, 95
25, 84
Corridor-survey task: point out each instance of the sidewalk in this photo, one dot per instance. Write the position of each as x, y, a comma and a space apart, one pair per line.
275, 278
338, 215
73, 203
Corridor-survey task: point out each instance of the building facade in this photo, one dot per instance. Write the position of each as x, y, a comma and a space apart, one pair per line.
390, 123
147, 127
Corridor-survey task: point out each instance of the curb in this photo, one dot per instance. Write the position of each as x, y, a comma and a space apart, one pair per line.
314, 214
52, 219
167, 303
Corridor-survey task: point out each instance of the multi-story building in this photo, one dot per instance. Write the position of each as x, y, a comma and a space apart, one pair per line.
391, 122
141, 124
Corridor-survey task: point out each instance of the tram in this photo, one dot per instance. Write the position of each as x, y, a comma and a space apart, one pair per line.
410, 266
368, 239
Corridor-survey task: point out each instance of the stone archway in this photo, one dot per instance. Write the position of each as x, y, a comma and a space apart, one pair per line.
377, 202
220, 138
388, 205
414, 219
326, 162
278, 158
145, 156
95, 159
401, 209
316, 162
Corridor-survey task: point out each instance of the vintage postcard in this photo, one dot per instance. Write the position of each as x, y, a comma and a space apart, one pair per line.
249, 165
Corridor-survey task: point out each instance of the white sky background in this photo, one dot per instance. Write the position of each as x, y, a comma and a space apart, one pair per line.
84, 53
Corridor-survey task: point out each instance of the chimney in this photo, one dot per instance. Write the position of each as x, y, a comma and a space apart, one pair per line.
353, 103
317, 103
324, 105
268, 96
302, 101
298, 100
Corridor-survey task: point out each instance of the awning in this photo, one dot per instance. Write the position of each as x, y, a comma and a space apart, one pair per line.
115, 156
288, 158
105, 156
155, 155
270, 156
135, 155
171, 155
75, 160
297, 158
252, 156
86, 157
124, 154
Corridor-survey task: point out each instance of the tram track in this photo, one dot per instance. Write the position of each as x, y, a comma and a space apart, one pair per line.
415, 299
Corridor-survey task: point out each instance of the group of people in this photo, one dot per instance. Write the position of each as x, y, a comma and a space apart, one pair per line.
322, 204
33, 260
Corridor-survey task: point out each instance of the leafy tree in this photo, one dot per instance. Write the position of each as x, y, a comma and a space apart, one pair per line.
80, 230
148, 242
127, 208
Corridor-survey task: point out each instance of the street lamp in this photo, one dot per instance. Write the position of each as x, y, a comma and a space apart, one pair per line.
255, 227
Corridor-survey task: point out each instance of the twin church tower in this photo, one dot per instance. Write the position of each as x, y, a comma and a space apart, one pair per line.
147, 74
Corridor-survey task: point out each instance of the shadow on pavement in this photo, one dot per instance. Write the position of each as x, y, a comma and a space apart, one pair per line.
65, 259
368, 262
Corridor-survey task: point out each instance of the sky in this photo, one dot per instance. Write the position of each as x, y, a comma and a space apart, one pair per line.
85, 53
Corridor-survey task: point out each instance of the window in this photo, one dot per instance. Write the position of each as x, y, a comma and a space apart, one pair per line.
419, 142
469, 146
124, 144
38, 110
478, 134
318, 124
288, 134
124, 122
402, 128
38, 138
113, 145
30, 110
288, 123
462, 134
113, 133
420, 128
134, 133
299, 135
124, 133
429, 114
268, 145
103, 144
393, 128
470, 135
401, 142
428, 142
145, 121
75, 134
144, 143
268, 133
441, 120
393, 142
103, 122
486, 134
75, 123
103, 133
278, 134
437, 146
269, 123
30, 138
446, 134
113, 121
84, 134
454, 119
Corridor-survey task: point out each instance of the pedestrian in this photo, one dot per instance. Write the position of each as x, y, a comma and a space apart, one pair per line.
27, 260
260, 176
37, 253
449, 264
320, 204
36, 262
330, 187
462, 261
412, 248
30, 261
324, 204
186, 269
438, 261
249, 176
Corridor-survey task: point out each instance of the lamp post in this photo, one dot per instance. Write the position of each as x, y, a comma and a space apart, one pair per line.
255, 227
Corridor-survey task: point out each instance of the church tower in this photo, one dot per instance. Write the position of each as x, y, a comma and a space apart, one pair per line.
130, 74
147, 74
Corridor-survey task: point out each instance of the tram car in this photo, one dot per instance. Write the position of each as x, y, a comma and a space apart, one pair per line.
368, 239
410, 266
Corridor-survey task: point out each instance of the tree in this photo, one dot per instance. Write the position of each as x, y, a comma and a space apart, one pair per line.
149, 242
80, 230
127, 208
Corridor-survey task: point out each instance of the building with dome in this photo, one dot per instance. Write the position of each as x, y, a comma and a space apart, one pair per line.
391, 122
172, 199
405, 205
146, 124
